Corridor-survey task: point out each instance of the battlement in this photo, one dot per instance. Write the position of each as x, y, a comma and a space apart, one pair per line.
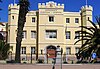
11, 6
31, 13
86, 7
50, 4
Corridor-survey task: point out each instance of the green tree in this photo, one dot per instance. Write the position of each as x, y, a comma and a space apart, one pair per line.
23, 10
1, 37
91, 38
4, 48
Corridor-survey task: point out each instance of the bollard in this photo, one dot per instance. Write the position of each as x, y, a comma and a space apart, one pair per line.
72, 62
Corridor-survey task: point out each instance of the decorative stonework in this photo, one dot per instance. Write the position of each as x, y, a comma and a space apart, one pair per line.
50, 4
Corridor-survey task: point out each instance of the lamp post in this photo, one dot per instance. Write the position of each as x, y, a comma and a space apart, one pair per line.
61, 51
31, 57
53, 67
61, 57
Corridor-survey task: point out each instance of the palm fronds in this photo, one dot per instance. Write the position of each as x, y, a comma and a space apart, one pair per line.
90, 29
91, 38
98, 20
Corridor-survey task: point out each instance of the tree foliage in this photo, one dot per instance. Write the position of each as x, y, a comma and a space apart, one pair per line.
1, 37
91, 38
4, 48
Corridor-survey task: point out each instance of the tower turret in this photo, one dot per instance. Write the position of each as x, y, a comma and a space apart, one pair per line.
86, 13
13, 11
13, 14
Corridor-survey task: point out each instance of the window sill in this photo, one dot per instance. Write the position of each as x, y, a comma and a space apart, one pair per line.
51, 38
51, 22
76, 23
33, 22
33, 38
67, 23
68, 39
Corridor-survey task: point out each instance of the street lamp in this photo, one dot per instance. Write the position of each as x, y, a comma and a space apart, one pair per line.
53, 67
31, 57
61, 51
61, 57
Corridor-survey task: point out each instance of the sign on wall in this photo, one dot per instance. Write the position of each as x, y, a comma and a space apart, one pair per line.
93, 55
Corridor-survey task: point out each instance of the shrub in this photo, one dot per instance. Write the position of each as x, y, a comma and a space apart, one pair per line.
65, 62
81, 62
40, 61
11, 61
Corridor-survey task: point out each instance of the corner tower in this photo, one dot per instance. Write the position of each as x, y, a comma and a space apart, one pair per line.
13, 11
86, 14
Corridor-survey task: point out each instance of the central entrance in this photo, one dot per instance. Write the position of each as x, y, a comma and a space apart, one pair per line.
51, 53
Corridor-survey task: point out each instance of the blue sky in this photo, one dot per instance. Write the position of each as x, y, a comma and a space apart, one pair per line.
70, 5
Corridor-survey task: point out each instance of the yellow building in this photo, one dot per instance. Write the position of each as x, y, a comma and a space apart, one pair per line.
50, 25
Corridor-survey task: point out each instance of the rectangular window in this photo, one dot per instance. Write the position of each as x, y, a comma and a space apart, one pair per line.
41, 51
88, 18
51, 18
33, 19
11, 47
33, 34
76, 20
24, 35
51, 34
68, 51
77, 49
12, 17
33, 50
23, 50
67, 20
67, 34
77, 35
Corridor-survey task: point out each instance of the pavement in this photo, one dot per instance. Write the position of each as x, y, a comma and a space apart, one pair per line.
49, 66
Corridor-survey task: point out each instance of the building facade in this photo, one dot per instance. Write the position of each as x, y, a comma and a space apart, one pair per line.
50, 25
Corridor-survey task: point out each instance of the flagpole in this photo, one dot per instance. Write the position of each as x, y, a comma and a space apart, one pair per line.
86, 2
14, 1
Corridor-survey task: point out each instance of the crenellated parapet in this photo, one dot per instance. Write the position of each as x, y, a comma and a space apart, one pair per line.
50, 4
13, 9
86, 8
13, 6
86, 13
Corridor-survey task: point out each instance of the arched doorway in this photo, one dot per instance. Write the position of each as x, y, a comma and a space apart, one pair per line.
51, 52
